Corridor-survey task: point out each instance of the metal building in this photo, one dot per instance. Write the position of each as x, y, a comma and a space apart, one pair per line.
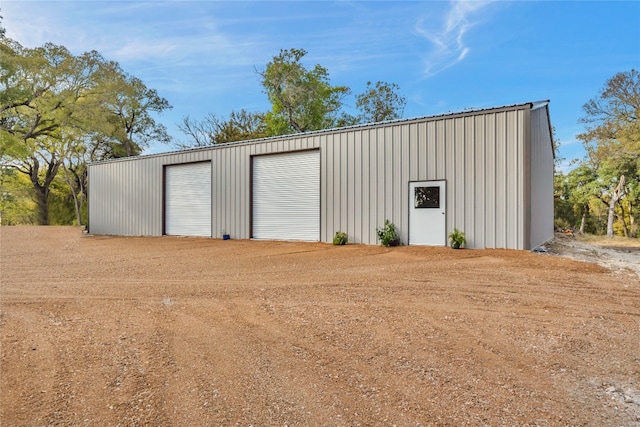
487, 172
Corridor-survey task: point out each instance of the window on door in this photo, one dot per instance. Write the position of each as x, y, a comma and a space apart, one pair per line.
427, 198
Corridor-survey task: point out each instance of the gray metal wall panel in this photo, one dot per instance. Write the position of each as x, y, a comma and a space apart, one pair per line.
489, 190
500, 180
518, 135
378, 175
245, 194
122, 198
328, 174
541, 178
479, 180
526, 182
343, 185
324, 189
358, 217
430, 151
405, 173
414, 152
455, 173
366, 231
468, 166
390, 172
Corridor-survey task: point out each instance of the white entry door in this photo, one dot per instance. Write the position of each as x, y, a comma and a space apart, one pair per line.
427, 213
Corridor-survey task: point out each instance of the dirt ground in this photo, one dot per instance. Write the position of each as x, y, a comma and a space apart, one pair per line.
108, 331
619, 255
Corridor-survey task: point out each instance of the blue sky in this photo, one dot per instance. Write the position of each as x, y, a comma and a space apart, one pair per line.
445, 56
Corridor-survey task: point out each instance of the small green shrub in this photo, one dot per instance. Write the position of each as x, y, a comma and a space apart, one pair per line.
388, 235
456, 238
340, 238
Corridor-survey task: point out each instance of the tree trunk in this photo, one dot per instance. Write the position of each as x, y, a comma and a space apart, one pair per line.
42, 201
624, 221
76, 203
42, 190
615, 196
633, 227
583, 221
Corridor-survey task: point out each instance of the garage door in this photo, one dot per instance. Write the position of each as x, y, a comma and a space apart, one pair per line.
286, 196
188, 200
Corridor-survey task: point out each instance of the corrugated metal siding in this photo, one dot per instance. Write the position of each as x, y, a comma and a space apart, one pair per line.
480, 156
365, 173
125, 198
541, 201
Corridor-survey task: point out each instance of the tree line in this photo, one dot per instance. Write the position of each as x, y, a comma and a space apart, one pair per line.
302, 100
59, 112
601, 194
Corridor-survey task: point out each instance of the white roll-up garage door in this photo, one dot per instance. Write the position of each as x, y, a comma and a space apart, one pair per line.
286, 196
188, 199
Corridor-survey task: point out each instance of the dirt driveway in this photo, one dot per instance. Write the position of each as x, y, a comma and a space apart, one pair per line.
98, 331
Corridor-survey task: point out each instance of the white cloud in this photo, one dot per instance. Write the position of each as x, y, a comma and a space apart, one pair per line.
123, 31
448, 40
134, 49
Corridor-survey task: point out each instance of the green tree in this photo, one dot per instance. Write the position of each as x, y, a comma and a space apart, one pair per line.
380, 102
17, 205
119, 124
240, 126
563, 214
302, 100
583, 187
131, 104
612, 142
61, 207
58, 111
51, 82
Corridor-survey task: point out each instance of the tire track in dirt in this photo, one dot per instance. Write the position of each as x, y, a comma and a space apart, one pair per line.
25, 349
89, 357
413, 372
140, 364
